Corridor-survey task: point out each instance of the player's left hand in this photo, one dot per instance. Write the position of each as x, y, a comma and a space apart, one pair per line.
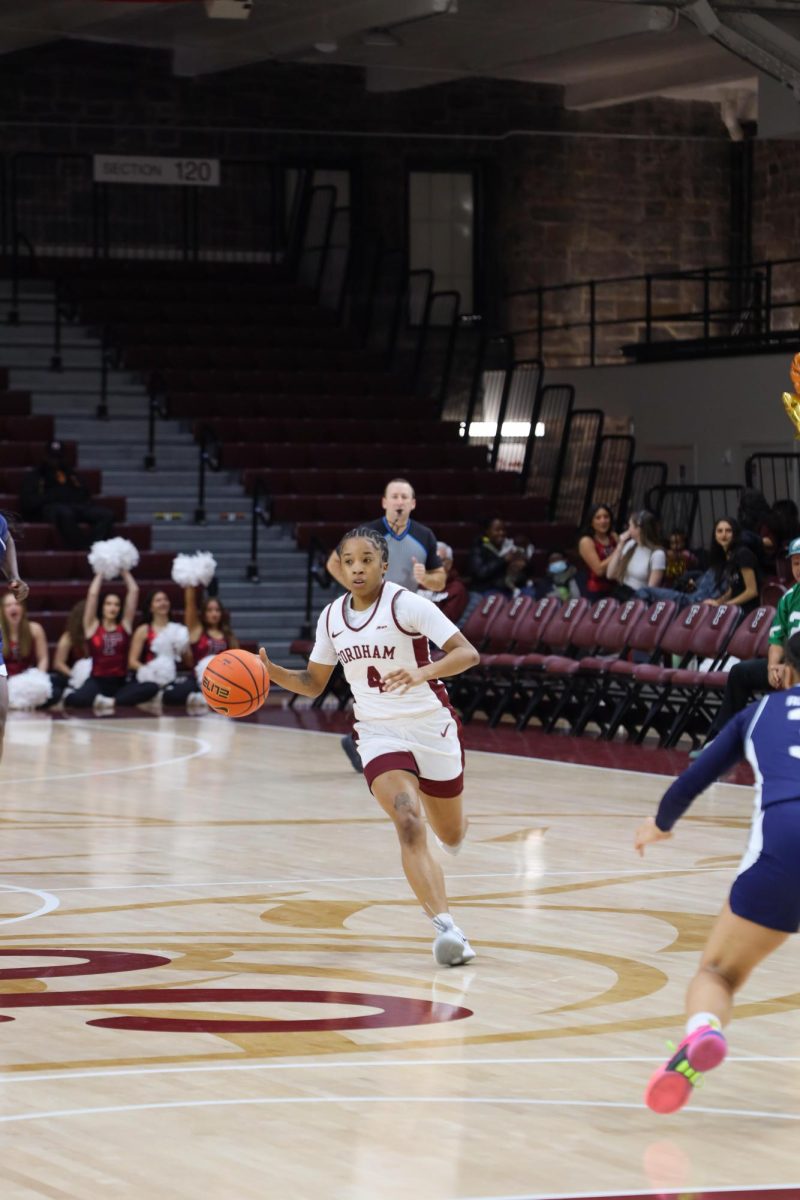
18, 589
418, 570
402, 680
647, 833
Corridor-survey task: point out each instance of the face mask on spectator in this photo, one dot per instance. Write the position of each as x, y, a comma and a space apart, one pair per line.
555, 568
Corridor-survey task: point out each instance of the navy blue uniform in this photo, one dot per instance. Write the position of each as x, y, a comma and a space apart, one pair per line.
767, 734
3, 548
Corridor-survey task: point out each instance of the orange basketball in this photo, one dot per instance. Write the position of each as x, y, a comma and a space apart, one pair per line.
235, 683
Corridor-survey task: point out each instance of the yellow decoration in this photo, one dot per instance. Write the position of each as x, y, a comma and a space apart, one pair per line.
791, 401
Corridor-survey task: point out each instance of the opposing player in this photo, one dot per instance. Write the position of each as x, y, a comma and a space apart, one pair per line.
408, 735
764, 903
18, 589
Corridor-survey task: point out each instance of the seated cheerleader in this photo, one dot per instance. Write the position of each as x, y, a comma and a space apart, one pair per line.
109, 638
24, 641
70, 647
209, 633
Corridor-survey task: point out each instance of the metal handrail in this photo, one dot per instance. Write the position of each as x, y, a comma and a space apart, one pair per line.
260, 514
65, 307
18, 240
210, 457
316, 558
157, 406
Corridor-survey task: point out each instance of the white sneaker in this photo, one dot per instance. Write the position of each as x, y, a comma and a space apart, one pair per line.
104, 703
197, 701
451, 948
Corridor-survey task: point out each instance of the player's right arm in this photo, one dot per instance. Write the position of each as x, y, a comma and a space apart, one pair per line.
322, 660
310, 682
90, 621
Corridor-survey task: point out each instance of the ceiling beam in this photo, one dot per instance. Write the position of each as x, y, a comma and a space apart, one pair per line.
698, 63
294, 35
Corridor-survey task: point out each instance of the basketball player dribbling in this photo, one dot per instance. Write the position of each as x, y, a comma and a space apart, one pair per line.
408, 735
18, 589
764, 903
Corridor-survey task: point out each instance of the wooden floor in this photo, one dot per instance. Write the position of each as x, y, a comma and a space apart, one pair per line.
216, 985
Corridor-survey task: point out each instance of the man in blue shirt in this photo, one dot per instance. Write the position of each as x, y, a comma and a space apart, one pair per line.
763, 908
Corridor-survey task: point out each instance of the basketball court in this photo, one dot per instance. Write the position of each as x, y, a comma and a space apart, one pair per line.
216, 983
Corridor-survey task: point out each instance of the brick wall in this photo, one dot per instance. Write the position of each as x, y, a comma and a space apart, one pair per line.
566, 195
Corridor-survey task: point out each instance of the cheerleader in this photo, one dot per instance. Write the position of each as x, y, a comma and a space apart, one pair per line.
70, 647
19, 590
108, 638
763, 907
209, 633
408, 736
24, 641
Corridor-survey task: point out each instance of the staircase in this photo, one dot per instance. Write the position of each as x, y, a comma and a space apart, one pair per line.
270, 611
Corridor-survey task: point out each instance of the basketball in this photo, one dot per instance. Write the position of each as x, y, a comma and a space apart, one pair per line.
235, 683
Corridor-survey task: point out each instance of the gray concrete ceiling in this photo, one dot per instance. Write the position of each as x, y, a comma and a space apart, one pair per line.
602, 52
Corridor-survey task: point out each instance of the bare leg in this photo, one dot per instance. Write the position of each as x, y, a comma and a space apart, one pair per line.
446, 817
735, 946
3, 710
397, 792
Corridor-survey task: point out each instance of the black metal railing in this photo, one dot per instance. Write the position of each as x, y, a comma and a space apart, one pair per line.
546, 448
613, 475
693, 508
577, 470
157, 406
586, 321
646, 476
209, 459
777, 475
260, 514
316, 573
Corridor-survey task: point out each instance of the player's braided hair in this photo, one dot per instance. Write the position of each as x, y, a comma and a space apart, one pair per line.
372, 535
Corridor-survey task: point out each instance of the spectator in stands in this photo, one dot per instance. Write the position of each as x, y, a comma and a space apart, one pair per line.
638, 559
109, 638
454, 598
735, 565
561, 579
496, 562
210, 632
785, 523
70, 647
758, 675
24, 641
680, 561
595, 546
757, 525
53, 492
413, 561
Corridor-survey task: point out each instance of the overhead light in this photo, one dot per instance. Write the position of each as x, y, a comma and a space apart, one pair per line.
380, 37
326, 47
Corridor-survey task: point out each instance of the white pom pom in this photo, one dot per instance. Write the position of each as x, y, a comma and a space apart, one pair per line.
171, 640
160, 670
29, 689
113, 556
201, 666
194, 570
80, 672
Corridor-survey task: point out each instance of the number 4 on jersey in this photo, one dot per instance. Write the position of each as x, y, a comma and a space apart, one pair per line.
374, 679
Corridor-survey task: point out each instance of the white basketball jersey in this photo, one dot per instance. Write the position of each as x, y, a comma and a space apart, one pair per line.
390, 636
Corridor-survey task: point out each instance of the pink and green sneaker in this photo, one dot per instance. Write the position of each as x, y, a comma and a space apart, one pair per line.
671, 1085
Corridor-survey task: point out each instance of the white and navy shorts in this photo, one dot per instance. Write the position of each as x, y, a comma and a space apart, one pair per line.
767, 888
429, 746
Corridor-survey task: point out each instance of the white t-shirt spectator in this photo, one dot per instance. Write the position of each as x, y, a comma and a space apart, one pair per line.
641, 563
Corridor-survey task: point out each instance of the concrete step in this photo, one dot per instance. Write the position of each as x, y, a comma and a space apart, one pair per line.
37, 357
181, 483
41, 334
81, 381
232, 536
84, 404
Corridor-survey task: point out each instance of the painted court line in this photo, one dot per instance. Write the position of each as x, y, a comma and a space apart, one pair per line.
285, 1101
49, 902
135, 887
734, 1189
343, 1065
204, 748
